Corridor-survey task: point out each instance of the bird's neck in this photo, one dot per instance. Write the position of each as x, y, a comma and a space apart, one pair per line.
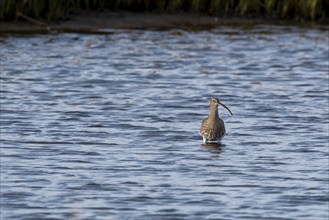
213, 114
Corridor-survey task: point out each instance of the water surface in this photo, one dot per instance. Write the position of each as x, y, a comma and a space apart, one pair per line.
106, 126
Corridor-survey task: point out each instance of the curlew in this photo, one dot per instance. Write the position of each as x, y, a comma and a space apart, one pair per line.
212, 128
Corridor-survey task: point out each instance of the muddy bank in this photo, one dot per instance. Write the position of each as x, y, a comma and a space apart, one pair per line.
93, 22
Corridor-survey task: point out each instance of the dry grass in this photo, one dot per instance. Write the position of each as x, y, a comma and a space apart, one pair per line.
59, 9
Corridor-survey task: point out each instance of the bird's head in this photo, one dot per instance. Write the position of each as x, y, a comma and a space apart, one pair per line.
214, 102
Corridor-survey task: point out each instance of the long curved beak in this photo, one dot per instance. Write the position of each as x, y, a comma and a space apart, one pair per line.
225, 107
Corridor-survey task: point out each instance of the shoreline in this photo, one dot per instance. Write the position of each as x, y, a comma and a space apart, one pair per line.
98, 22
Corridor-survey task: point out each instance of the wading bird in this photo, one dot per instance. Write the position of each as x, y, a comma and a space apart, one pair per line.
212, 128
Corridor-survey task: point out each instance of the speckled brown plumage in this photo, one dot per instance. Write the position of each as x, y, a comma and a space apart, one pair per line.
212, 128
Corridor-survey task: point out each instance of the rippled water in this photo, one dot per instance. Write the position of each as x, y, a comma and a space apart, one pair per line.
106, 126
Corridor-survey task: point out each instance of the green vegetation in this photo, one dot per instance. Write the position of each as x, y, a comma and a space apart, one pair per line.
60, 9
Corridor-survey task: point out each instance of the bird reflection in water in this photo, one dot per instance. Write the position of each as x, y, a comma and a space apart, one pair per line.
214, 148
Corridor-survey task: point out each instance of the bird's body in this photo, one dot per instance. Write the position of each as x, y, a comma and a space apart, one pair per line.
212, 128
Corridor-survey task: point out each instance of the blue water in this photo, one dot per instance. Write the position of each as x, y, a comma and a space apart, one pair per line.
105, 126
